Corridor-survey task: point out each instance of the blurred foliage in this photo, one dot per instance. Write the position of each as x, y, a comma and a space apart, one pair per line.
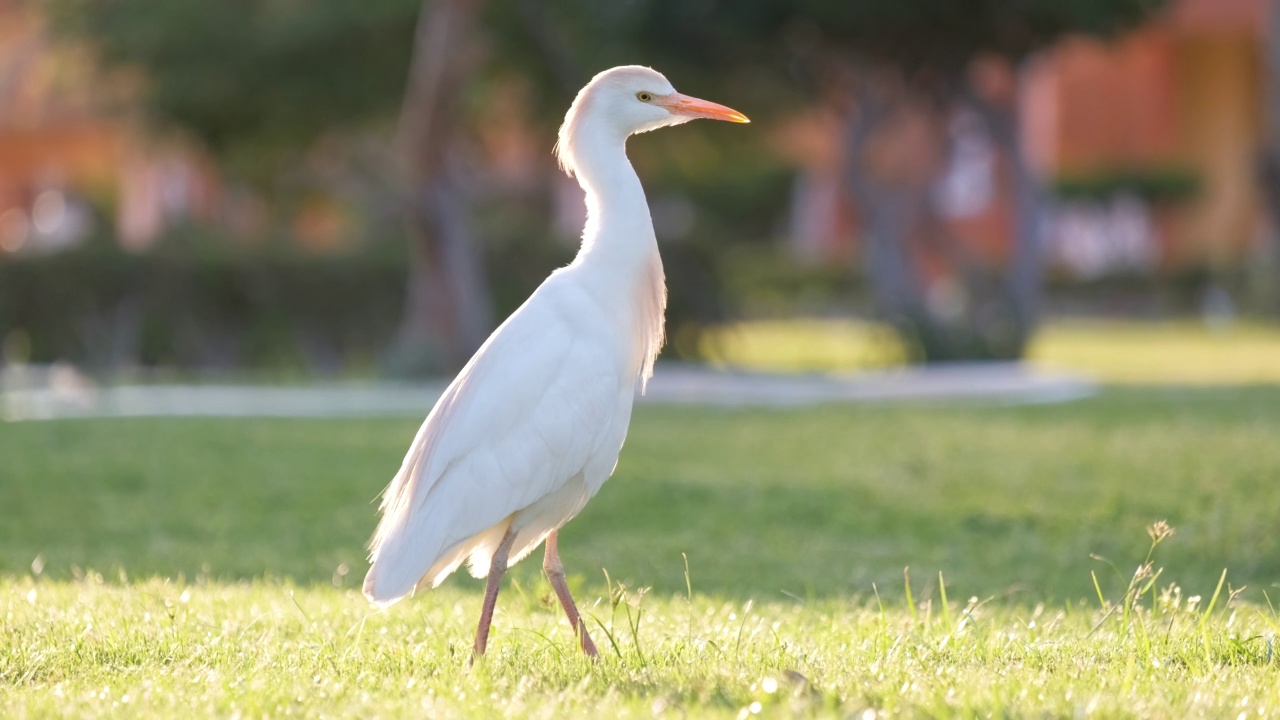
764, 282
945, 35
201, 304
257, 81
1157, 185
771, 45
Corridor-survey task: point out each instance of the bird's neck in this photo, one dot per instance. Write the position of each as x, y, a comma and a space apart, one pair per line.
619, 245
619, 228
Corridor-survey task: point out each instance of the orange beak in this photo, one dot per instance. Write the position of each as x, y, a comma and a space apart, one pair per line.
678, 104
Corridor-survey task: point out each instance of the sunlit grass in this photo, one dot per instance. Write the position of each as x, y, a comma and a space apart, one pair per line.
802, 345
163, 649
1183, 352
1171, 352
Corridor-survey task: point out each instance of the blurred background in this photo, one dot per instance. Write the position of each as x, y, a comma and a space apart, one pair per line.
365, 188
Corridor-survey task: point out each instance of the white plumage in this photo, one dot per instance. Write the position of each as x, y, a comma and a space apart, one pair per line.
532, 426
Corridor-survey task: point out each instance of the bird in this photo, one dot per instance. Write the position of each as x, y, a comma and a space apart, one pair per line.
533, 424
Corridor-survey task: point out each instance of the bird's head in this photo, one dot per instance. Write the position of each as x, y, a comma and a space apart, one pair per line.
630, 99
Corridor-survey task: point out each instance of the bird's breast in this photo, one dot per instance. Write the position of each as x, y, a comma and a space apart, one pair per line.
622, 305
649, 300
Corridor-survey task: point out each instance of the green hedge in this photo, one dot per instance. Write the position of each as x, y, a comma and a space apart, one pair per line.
1161, 185
104, 308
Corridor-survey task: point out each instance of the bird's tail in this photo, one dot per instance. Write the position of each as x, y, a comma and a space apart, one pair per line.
407, 557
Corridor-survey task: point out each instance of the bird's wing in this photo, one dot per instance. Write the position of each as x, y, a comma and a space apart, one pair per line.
522, 418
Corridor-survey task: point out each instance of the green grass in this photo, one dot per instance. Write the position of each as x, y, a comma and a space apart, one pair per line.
157, 567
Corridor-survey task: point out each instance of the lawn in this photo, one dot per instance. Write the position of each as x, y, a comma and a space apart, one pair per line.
740, 561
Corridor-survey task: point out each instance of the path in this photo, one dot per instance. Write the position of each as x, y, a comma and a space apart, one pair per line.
49, 393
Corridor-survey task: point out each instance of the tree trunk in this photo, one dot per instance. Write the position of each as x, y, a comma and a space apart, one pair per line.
1025, 279
1269, 160
885, 212
447, 311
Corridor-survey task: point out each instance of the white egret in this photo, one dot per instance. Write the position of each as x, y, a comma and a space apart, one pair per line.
532, 426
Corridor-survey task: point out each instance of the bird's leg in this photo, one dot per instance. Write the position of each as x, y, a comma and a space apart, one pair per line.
497, 567
554, 569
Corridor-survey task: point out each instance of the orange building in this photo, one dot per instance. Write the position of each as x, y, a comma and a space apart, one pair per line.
1184, 95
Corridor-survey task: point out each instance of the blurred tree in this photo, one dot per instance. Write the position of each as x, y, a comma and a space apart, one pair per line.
261, 82
257, 82
1269, 161
448, 313
880, 62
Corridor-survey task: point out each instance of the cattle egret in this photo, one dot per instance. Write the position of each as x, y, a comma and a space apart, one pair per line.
532, 426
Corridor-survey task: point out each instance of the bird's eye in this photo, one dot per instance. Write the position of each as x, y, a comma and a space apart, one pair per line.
644, 96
